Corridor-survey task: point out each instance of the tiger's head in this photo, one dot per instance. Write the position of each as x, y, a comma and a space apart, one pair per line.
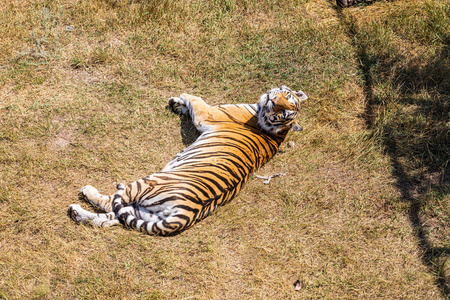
278, 110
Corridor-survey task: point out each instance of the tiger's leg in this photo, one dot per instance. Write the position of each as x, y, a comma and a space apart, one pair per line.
107, 219
81, 215
154, 220
195, 107
91, 195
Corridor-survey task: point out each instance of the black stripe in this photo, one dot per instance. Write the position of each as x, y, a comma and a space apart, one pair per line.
133, 223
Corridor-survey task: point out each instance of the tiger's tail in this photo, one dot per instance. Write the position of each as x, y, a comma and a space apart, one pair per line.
126, 214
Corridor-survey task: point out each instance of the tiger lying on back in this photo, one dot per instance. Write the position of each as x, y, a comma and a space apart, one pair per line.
235, 141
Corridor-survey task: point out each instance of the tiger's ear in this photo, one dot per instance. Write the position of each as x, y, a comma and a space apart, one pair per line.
301, 96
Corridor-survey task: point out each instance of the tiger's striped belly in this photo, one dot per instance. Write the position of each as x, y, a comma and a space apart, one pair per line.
207, 174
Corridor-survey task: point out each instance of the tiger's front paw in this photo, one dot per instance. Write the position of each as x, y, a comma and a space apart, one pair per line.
178, 105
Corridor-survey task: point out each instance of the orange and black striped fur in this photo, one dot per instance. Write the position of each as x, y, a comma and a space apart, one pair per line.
235, 141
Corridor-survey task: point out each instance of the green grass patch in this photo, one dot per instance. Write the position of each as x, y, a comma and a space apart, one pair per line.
363, 211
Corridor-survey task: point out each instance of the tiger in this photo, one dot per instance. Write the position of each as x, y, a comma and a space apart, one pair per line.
234, 141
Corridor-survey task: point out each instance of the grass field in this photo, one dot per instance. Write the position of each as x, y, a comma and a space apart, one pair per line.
363, 213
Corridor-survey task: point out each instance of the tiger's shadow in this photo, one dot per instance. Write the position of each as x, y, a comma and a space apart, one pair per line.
189, 133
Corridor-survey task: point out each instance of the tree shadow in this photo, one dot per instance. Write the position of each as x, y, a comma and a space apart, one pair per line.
343, 3
417, 138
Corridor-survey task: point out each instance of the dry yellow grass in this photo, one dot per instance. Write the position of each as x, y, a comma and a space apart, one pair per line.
83, 89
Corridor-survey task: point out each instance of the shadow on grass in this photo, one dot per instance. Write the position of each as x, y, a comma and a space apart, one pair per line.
189, 133
413, 128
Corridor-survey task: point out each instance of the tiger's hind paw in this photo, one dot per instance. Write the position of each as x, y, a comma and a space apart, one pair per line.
90, 195
75, 213
89, 192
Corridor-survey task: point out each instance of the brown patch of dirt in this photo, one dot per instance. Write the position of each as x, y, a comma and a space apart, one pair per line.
63, 138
